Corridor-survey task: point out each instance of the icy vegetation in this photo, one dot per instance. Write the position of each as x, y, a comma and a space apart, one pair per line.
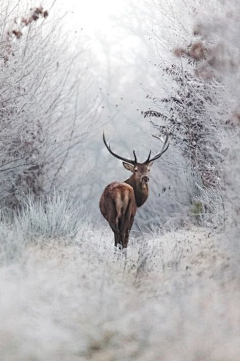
175, 296
65, 293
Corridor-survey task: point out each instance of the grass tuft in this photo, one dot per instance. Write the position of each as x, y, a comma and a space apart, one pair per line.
55, 216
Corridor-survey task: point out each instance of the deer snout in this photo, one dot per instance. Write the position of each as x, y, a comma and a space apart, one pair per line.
145, 179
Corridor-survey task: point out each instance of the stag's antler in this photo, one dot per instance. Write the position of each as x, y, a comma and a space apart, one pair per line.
158, 155
118, 156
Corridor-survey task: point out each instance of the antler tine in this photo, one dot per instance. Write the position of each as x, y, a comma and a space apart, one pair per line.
135, 157
158, 155
149, 155
118, 156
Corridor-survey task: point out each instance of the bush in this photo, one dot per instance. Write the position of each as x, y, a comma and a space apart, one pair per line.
54, 216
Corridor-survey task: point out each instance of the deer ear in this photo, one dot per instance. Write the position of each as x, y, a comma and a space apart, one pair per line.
128, 166
150, 164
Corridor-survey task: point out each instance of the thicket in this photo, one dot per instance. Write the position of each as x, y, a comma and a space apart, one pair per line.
193, 100
40, 113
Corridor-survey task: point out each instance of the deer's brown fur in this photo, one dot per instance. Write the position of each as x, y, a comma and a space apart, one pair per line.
119, 201
118, 206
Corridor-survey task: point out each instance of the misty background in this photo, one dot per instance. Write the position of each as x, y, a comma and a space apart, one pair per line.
120, 59
139, 70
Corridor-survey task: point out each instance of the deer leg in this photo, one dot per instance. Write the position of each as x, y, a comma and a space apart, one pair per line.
120, 239
114, 224
123, 226
124, 243
127, 231
118, 246
127, 236
117, 240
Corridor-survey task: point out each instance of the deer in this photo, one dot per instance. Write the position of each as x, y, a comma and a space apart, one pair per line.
120, 200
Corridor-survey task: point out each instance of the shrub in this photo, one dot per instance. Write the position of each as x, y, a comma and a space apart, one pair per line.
54, 216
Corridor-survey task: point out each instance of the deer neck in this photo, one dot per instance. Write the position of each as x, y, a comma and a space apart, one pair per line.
140, 190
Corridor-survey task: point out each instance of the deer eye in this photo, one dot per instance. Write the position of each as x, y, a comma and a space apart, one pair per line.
135, 170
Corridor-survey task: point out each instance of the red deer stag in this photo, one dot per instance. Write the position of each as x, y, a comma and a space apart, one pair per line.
119, 201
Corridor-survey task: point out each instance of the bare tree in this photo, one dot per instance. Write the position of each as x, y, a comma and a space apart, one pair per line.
219, 32
189, 105
43, 114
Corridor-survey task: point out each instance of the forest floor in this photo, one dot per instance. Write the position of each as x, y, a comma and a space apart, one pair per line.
175, 297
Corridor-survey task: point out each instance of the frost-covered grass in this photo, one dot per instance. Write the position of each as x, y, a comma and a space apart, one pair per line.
54, 216
175, 297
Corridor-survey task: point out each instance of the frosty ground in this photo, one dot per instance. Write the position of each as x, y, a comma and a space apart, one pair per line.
175, 297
